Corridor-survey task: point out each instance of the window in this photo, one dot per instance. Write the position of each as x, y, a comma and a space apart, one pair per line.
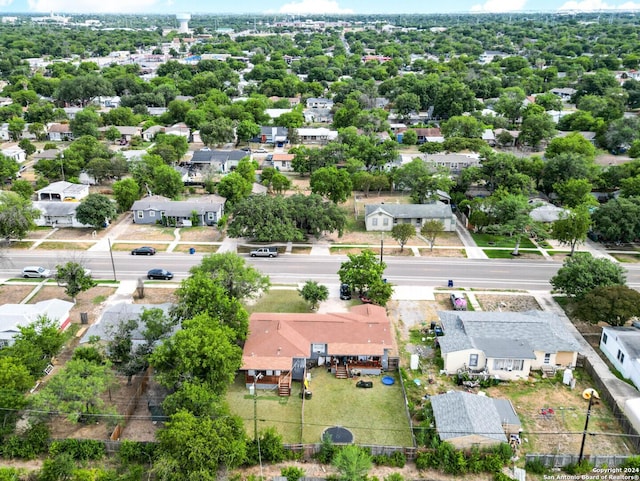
547, 358
211, 215
374, 222
385, 221
140, 214
604, 338
152, 213
620, 356
508, 364
473, 360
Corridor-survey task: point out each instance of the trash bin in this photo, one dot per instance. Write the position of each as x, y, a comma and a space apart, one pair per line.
192, 250
307, 394
450, 283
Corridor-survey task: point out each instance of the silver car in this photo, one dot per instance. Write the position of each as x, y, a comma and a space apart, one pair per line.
35, 271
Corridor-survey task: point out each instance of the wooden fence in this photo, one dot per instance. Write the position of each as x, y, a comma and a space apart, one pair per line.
132, 405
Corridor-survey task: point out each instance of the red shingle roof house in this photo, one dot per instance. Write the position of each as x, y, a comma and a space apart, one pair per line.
280, 347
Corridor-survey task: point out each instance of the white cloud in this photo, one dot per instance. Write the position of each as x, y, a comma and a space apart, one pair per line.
593, 5
313, 6
4, 3
499, 6
85, 6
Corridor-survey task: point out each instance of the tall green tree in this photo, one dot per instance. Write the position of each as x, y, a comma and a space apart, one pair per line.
511, 215
234, 187
217, 131
333, 183
17, 215
572, 227
314, 293
353, 463
231, 271
96, 210
126, 192
430, 230
361, 270
615, 305
202, 350
618, 220
582, 273
75, 279
401, 233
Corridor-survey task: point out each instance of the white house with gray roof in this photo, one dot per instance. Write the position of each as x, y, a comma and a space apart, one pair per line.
57, 214
467, 420
160, 210
621, 345
14, 316
382, 217
505, 345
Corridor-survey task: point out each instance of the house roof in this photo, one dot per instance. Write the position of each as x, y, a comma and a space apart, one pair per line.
65, 187
13, 316
60, 128
628, 337
208, 156
46, 154
435, 210
459, 414
276, 338
283, 157
546, 213
56, 209
528, 332
177, 207
117, 314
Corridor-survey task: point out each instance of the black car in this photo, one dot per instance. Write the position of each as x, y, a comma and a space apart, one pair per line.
143, 251
160, 274
345, 292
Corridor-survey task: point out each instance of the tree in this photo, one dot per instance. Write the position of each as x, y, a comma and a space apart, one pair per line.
16, 215
126, 192
218, 131
16, 127
572, 227
194, 447
196, 398
618, 220
615, 305
353, 463
430, 230
463, 126
332, 183
85, 123
575, 192
510, 103
234, 187
167, 181
565, 166
112, 134
410, 137
96, 210
582, 272
74, 278
407, 102
536, 128
402, 233
247, 130
202, 351
314, 293
574, 143
231, 271
27, 146
76, 390
8, 168
202, 294
511, 215
361, 270
265, 219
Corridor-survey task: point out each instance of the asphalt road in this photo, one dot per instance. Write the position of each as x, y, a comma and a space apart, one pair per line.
289, 269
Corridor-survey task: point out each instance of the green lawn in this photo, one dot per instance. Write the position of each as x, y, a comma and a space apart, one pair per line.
490, 240
279, 300
506, 253
374, 416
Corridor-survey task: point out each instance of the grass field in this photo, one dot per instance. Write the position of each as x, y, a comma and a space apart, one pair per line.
490, 240
279, 300
506, 254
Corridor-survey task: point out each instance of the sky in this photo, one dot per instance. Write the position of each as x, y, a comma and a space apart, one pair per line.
302, 7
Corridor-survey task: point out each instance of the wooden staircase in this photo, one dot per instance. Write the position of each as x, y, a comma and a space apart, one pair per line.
284, 385
341, 372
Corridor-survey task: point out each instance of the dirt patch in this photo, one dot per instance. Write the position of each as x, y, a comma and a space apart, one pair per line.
72, 233
201, 234
510, 303
149, 233
442, 253
155, 295
14, 294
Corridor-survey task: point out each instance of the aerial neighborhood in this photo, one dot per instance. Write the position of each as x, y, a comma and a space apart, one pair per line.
331, 246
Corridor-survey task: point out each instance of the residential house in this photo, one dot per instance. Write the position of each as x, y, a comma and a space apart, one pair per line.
505, 345
565, 93
5, 136
149, 134
468, 420
15, 153
283, 162
14, 316
218, 160
271, 135
157, 111
319, 103
117, 314
180, 129
126, 132
63, 191
280, 346
156, 209
59, 132
323, 116
382, 217
72, 111
57, 214
489, 56
275, 113
105, 102
319, 135
428, 135
621, 345
48, 154
546, 212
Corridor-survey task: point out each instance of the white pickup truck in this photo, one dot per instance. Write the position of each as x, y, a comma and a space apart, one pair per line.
265, 252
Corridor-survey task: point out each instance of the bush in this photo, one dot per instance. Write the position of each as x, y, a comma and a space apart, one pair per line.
28, 445
427, 460
79, 449
535, 466
632, 462
327, 451
292, 473
394, 477
501, 477
583, 467
136, 452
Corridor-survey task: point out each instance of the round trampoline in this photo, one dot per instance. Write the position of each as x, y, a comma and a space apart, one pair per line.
388, 380
338, 435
